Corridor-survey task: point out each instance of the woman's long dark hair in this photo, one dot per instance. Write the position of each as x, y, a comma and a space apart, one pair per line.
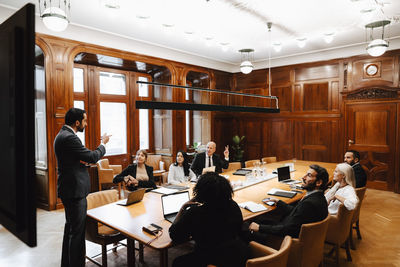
185, 163
213, 189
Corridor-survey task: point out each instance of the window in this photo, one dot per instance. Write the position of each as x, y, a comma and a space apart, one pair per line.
78, 80
40, 118
143, 88
144, 128
112, 83
81, 105
113, 121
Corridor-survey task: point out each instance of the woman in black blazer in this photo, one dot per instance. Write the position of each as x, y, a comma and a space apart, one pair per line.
137, 174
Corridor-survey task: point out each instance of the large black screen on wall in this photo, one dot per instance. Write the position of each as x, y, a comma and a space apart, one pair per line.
17, 194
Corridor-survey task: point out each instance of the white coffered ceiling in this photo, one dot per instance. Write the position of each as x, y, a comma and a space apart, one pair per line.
219, 28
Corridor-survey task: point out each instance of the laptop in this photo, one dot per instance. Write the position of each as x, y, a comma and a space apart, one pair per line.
133, 197
172, 203
284, 175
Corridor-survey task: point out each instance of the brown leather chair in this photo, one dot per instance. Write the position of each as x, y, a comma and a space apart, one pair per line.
106, 173
264, 256
95, 231
338, 231
356, 217
154, 161
233, 166
268, 159
308, 249
250, 163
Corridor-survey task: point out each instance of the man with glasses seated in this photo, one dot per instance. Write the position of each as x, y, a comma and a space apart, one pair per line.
311, 208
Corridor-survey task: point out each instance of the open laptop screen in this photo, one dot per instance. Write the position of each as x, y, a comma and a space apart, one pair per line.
283, 173
173, 202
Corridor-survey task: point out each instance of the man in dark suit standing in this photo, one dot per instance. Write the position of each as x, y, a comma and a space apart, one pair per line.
352, 158
74, 183
311, 208
208, 159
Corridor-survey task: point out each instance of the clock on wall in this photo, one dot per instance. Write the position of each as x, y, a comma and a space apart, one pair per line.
371, 70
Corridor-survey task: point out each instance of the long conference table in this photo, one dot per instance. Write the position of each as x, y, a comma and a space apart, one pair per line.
129, 220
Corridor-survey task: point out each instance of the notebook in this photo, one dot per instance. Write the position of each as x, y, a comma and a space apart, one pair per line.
284, 175
133, 197
242, 172
172, 203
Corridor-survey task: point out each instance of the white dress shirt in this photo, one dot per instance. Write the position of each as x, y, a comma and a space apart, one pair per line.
347, 192
176, 174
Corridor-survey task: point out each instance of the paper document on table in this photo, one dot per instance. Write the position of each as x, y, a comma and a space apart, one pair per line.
163, 190
252, 206
208, 169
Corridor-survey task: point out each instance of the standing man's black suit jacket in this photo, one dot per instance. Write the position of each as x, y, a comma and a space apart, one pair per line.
199, 162
359, 173
312, 208
73, 177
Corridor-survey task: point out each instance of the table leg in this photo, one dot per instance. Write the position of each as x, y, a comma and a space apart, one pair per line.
131, 252
141, 256
164, 257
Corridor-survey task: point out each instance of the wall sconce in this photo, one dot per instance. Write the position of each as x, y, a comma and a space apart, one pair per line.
55, 14
376, 47
246, 66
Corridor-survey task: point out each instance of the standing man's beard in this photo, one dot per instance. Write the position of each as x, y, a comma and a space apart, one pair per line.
80, 128
310, 187
352, 162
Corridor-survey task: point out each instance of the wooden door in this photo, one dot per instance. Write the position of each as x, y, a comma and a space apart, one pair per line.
371, 130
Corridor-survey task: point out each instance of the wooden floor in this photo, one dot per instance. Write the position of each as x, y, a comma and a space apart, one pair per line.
379, 222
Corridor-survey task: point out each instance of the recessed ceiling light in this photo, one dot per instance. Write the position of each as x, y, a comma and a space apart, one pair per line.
277, 46
301, 42
224, 46
328, 37
111, 4
208, 40
168, 25
189, 35
142, 16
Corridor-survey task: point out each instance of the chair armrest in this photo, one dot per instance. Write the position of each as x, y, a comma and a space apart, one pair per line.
105, 176
258, 250
116, 168
165, 177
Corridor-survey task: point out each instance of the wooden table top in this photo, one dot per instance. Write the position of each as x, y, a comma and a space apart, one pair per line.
129, 220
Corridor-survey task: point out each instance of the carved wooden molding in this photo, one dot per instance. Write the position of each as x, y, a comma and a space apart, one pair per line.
372, 93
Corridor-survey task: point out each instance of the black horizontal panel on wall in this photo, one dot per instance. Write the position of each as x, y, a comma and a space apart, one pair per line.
203, 107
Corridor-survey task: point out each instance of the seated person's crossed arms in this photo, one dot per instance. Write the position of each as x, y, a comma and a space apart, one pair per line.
180, 171
214, 221
138, 174
311, 208
343, 191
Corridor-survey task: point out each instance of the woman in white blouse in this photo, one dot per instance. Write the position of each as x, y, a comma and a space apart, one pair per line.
180, 172
343, 191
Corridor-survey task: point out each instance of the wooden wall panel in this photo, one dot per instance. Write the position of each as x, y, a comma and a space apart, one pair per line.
298, 96
285, 97
252, 131
385, 75
317, 72
315, 140
257, 79
334, 96
316, 96
282, 139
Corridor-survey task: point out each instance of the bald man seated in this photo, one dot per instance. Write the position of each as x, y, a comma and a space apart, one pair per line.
208, 159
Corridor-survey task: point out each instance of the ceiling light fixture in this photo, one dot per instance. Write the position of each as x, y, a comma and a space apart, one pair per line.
247, 56
208, 40
55, 16
301, 42
328, 37
111, 4
376, 46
